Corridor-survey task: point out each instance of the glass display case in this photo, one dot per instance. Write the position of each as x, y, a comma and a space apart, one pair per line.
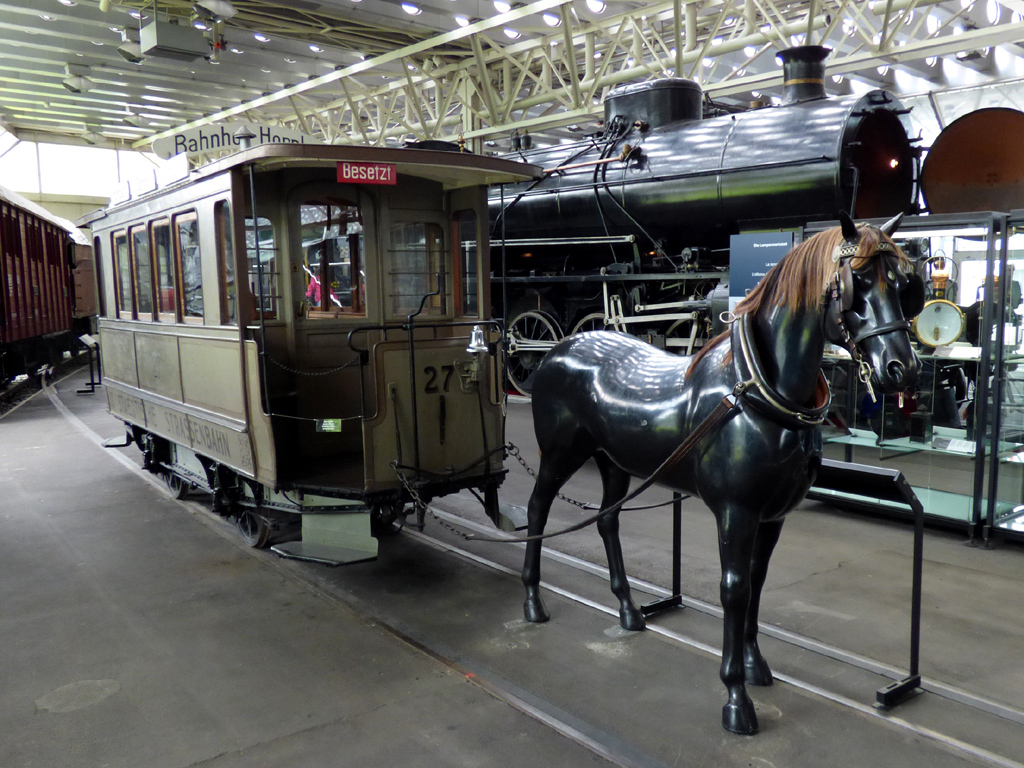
959, 438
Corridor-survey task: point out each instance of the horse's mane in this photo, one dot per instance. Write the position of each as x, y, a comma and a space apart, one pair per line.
801, 277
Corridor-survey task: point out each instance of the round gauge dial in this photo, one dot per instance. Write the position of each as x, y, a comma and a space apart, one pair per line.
940, 322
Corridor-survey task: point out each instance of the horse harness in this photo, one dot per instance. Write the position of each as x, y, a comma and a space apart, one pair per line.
839, 296
754, 386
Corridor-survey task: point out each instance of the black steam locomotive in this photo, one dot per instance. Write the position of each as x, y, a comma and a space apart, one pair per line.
630, 228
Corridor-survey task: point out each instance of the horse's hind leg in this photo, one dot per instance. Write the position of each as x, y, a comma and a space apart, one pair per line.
756, 669
550, 477
616, 486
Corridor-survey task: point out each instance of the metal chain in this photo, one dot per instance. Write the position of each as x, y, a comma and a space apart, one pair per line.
297, 372
513, 451
419, 503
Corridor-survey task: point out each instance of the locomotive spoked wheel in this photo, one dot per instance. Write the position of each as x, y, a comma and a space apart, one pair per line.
254, 529
178, 486
387, 519
591, 322
533, 333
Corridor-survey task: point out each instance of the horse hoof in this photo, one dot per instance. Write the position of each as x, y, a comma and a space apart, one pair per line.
535, 611
739, 719
757, 672
632, 619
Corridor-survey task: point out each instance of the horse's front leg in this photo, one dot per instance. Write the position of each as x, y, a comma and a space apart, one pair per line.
616, 486
756, 669
737, 530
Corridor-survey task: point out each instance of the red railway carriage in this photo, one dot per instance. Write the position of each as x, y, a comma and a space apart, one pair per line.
49, 288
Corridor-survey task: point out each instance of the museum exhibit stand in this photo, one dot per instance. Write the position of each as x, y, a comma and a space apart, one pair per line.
958, 438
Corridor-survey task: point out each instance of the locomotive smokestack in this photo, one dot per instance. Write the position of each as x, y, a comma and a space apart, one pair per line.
803, 73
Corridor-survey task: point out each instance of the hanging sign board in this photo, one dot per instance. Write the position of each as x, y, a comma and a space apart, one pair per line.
217, 138
367, 173
750, 257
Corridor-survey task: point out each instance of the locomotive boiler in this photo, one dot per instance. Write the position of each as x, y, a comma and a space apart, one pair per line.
630, 228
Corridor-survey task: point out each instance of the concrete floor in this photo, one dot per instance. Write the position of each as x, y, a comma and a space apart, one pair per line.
138, 631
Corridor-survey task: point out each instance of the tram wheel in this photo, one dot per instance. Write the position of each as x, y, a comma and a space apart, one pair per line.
254, 529
387, 519
592, 322
532, 325
179, 486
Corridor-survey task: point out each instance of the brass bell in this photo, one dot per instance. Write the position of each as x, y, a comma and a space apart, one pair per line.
477, 342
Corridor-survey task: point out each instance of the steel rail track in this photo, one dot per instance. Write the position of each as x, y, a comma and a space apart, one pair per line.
594, 739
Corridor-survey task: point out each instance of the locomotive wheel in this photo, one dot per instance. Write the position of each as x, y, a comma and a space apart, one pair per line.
254, 529
592, 322
179, 487
532, 325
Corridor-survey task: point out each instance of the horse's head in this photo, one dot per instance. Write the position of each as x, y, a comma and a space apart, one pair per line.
872, 299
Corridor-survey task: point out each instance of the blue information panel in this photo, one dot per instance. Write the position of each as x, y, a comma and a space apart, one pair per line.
750, 258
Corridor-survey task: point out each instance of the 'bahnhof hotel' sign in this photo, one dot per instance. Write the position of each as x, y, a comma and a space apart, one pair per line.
217, 138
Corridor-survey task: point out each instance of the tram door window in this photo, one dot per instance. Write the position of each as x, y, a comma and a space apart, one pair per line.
166, 286
265, 293
98, 260
415, 261
464, 238
143, 272
332, 248
190, 267
226, 264
123, 276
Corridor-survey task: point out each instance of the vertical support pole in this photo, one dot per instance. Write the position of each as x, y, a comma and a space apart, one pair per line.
901, 690
665, 604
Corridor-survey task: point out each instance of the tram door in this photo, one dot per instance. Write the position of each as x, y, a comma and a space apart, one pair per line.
436, 410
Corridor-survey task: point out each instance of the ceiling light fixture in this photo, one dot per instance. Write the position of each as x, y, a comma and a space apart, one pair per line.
68, 3
596, 6
512, 34
552, 20
131, 52
221, 9
462, 21
502, 7
77, 83
315, 48
261, 37
412, 9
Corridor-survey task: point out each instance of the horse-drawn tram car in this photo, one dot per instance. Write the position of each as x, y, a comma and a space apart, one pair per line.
289, 328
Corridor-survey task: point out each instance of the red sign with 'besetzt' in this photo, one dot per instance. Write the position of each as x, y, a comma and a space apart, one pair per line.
367, 173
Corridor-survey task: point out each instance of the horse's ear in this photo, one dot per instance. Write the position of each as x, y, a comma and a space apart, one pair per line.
892, 224
849, 228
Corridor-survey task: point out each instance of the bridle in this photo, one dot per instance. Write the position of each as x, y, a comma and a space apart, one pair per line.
839, 297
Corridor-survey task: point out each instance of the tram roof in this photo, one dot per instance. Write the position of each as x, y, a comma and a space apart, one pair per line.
452, 169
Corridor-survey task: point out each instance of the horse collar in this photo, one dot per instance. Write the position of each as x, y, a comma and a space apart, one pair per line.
764, 397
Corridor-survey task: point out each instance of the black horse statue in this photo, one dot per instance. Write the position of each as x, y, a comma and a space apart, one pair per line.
630, 406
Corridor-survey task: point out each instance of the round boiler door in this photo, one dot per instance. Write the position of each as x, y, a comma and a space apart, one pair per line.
940, 322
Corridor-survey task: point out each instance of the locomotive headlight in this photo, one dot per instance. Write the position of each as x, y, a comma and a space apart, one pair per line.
894, 163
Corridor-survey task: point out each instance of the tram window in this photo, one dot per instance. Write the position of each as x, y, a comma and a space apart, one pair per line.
166, 286
464, 227
143, 272
123, 276
226, 262
265, 295
416, 256
189, 266
332, 257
